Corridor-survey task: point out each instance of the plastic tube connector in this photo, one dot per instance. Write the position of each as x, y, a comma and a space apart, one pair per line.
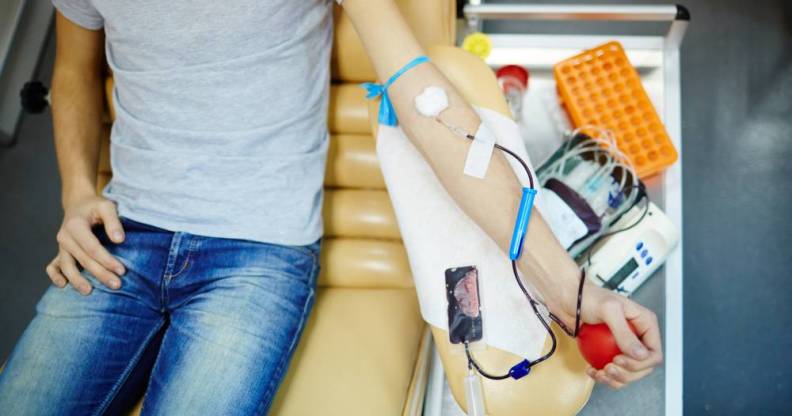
521, 225
520, 370
474, 397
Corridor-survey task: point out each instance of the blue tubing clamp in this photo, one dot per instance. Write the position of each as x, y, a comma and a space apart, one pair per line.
521, 225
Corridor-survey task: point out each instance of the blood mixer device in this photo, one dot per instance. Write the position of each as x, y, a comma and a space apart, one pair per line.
625, 260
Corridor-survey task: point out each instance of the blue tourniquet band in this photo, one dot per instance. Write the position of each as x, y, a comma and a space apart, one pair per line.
387, 115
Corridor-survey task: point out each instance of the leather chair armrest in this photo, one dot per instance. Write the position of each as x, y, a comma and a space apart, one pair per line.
559, 386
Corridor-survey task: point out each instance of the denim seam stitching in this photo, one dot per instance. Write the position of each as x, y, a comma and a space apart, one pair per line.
285, 358
190, 249
128, 370
173, 252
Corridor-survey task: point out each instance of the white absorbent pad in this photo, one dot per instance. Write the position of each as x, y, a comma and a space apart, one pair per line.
439, 235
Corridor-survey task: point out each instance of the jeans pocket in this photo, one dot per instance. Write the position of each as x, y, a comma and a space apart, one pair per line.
132, 225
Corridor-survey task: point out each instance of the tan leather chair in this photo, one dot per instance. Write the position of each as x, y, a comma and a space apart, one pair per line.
365, 349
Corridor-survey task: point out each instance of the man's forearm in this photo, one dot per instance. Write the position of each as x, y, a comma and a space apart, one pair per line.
77, 107
491, 202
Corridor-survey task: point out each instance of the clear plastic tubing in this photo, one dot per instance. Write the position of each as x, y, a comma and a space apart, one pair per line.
474, 397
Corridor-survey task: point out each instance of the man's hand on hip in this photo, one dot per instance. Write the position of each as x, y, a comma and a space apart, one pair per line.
77, 244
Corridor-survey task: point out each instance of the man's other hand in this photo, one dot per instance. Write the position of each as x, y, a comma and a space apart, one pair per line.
77, 244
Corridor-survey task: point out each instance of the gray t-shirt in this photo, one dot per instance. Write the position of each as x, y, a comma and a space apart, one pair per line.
221, 110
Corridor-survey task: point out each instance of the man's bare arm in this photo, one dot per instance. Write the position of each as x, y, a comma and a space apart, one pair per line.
545, 261
77, 108
492, 202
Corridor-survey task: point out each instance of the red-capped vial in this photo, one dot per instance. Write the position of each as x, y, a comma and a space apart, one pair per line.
513, 80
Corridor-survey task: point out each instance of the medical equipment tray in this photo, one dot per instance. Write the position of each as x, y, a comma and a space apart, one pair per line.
656, 58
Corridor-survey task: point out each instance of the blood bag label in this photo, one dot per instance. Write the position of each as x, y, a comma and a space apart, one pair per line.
566, 226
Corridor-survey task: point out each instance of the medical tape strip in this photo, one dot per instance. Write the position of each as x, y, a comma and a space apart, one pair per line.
480, 152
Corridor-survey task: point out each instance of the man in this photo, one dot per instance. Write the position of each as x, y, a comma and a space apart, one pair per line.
206, 241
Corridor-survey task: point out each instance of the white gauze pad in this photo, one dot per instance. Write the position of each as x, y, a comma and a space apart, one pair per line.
480, 152
431, 102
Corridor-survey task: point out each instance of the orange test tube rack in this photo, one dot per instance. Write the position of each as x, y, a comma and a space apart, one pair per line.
599, 87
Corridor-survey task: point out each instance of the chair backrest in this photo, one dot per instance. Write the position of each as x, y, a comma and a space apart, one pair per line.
362, 246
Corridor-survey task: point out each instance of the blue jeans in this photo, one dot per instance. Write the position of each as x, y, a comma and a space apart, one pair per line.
201, 325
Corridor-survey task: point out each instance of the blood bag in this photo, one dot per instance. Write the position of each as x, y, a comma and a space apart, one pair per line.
464, 305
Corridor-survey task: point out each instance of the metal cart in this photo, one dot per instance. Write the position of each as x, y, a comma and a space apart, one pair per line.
656, 58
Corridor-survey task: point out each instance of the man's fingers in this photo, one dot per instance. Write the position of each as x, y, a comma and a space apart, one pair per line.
624, 376
112, 224
94, 249
641, 349
92, 266
645, 323
54, 273
601, 376
631, 364
628, 342
69, 270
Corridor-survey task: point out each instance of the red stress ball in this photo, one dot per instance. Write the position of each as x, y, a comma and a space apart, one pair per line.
597, 344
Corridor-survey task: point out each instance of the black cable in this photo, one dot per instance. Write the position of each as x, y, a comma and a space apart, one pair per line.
522, 162
560, 323
538, 315
528, 365
519, 281
474, 364
534, 305
641, 195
